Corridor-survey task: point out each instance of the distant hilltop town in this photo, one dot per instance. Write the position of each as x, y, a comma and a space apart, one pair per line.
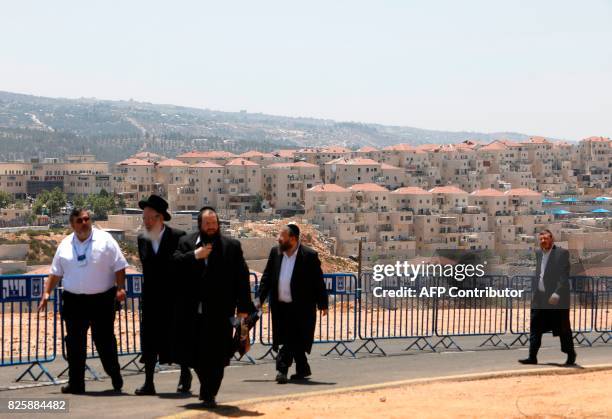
400, 200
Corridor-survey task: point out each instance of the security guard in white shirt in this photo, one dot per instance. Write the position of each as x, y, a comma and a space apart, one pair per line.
92, 269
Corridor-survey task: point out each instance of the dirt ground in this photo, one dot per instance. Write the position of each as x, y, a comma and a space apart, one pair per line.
574, 395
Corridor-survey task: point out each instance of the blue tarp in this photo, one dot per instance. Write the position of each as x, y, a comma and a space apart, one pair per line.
600, 210
549, 201
602, 199
561, 212
571, 199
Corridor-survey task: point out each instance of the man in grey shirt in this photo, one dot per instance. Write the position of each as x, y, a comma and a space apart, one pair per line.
551, 299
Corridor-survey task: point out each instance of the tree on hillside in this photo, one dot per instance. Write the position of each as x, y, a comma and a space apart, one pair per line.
5, 199
101, 204
53, 202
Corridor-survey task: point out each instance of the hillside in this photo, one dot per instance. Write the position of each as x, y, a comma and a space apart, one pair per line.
113, 129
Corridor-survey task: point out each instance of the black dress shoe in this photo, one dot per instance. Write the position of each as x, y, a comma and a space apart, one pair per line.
210, 403
571, 359
281, 378
117, 383
70, 389
302, 373
184, 385
146, 390
528, 361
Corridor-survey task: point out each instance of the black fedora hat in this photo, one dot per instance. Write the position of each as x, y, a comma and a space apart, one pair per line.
158, 203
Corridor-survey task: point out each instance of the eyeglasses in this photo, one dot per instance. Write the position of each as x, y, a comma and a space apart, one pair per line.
151, 217
82, 220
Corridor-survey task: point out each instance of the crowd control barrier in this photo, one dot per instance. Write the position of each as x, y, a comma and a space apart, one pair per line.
603, 309
28, 336
471, 315
361, 309
338, 327
127, 328
383, 317
582, 308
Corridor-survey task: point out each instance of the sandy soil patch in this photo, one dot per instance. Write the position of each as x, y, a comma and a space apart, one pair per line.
575, 395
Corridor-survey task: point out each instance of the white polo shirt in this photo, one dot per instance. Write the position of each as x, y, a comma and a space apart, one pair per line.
103, 258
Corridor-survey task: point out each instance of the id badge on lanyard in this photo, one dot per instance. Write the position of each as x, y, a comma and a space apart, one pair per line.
81, 258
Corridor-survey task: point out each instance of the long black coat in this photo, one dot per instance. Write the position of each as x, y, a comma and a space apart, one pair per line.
158, 302
308, 292
222, 286
546, 317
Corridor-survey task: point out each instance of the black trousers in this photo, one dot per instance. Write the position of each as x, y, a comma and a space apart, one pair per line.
151, 363
210, 377
210, 357
544, 320
292, 348
79, 312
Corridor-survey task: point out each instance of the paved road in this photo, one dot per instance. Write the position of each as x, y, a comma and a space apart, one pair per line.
249, 381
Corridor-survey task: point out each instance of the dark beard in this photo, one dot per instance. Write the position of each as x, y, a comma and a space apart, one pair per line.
284, 247
205, 238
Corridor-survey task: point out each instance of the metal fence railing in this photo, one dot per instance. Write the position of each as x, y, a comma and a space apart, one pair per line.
338, 327
582, 308
28, 336
360, 309
382, 315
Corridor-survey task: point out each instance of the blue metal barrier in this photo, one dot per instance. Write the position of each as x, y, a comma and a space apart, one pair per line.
471, 315
340, 324
520, 309
127, 328
603, 309
355, 312
582, 309
381, 317
28, 337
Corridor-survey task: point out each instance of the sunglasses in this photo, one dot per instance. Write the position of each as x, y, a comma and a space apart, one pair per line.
82, 220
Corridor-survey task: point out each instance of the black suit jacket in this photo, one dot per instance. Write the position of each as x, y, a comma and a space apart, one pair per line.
159, 302
222, 287
556, 279
308, 292
158, 268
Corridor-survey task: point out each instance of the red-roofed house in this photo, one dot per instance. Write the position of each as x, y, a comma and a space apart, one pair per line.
361, 212
595, 160
217, 156
203, 184
492, 201
242, 187
524, 200
321, 155
449, 197
135, 179
285, 184
348, 171
368, 152
260, 158
147, 155
171, 172
413, 198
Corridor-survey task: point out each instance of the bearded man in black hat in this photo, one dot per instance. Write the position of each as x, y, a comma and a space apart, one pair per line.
293, 280
216, 279
156, 247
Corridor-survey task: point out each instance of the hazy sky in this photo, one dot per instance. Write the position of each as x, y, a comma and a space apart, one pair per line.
537, 67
